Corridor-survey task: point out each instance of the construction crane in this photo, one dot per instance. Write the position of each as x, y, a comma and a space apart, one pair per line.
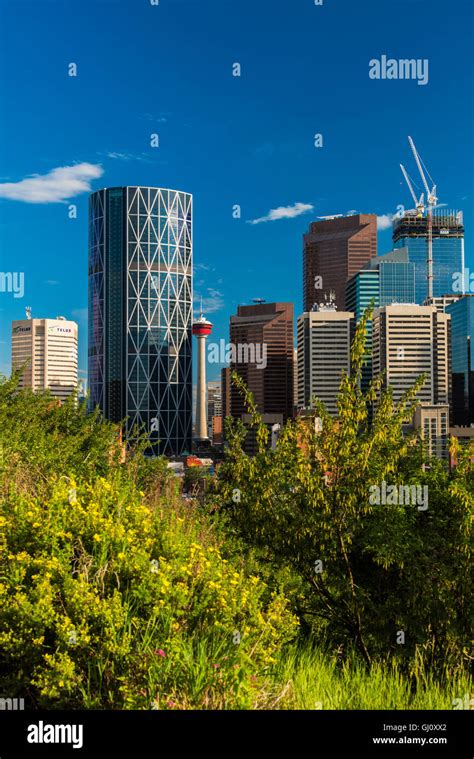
419, 203
432, 201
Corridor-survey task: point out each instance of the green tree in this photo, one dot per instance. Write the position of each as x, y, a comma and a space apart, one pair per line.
391, 579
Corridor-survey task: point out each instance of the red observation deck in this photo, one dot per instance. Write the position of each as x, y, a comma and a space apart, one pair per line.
202, 327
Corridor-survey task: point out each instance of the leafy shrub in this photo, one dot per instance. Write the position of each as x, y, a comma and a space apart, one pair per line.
392, 580
107, 601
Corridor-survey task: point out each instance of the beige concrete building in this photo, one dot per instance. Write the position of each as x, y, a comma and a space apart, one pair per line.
47, 349
410, 340
433, 422
324, 347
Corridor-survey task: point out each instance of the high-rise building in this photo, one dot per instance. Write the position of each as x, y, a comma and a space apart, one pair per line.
382, 281
408, 341
47, 349
433, 423
225, 390
411, 231
261, 337
295, 379
140, 312
462, 329
214, 399
334, 250
324, 353
442, 302
214, 407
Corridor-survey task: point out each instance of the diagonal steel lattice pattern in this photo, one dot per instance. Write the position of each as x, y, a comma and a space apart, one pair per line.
140, 312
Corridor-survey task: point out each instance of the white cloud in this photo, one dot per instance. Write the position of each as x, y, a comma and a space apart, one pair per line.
203, 267
384, 221
55, 187
212, 302
283, 212
332, 216
157, 119
126, 156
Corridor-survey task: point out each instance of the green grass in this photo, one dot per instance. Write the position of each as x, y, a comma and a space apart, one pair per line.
308, 678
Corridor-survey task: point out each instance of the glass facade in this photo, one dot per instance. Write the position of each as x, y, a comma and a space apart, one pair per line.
396, 283
140, 312
462, 357
384, 280
448, 240
361, 290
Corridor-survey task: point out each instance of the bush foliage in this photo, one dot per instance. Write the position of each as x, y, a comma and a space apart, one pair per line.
281, 586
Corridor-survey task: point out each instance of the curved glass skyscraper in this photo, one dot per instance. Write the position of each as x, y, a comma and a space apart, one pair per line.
140, 312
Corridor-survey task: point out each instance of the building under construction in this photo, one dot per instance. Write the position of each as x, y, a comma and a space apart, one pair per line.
411, 231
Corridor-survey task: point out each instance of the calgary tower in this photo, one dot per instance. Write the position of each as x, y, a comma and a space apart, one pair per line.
201, 328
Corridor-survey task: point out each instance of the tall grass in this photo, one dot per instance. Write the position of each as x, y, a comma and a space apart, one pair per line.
313, 679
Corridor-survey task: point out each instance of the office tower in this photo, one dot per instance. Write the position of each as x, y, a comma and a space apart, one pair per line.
261, 337
382, 281
140, 312
214, 401
408, 341
324, 350
442, 302
201, 329
295, 379
225, 385
462, 352
214, 407
411, 231
47, 348
433, 421
334, 250
274, 424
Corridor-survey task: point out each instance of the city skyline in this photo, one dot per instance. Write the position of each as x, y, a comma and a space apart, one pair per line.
219, 139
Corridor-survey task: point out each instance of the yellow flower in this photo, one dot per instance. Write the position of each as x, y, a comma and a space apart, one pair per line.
36, 524
97, 538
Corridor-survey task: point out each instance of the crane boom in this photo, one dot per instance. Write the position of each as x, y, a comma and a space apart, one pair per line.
420, 167
431, 200
419, 204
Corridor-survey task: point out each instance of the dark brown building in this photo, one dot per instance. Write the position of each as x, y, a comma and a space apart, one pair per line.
334, 250
263, 344
225, 391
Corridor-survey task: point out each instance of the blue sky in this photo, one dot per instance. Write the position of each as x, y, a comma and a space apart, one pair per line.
248, 140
